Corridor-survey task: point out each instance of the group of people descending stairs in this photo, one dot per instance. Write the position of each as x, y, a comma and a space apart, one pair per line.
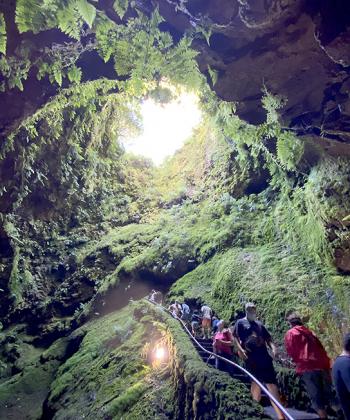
249, 340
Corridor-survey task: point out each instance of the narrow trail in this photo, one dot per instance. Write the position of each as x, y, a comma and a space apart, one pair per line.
204, 348
209, 359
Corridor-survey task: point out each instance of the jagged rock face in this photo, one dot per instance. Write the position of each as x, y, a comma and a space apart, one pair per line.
295, 48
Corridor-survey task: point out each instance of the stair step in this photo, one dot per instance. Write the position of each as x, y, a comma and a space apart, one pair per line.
204, 339
205, 347
296, 414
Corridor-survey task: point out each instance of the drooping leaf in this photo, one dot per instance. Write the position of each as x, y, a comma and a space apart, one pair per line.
87, 11
74, 74
57, 73
121, 6
213, 75
3, 37
69, 22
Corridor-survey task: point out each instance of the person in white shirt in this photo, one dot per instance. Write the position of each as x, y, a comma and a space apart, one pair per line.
206, 321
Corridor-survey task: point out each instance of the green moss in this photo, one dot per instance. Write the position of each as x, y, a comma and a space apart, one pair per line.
272, 276
127, 399
23, 395
112, 373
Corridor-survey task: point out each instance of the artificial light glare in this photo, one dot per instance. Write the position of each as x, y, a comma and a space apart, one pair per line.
165, 127
160, 353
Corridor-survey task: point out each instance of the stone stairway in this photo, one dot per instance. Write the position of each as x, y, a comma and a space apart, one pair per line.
201, 345
237, 374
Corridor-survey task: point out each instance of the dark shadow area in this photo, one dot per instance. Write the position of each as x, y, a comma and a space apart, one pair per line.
130, 287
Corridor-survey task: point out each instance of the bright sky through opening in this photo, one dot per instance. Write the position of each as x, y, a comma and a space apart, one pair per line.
165, 127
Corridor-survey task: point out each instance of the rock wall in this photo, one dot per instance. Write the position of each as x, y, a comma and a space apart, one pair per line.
296, 49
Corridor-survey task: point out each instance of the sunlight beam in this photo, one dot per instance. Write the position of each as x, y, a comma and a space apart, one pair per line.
165, 127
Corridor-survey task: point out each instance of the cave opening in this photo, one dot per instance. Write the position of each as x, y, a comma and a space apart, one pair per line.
167, 119
198, 148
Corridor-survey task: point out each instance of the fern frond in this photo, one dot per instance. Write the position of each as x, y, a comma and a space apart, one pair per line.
74, 74
69, 20
35, 16
290, 150
87, 11
121, 6
3, 38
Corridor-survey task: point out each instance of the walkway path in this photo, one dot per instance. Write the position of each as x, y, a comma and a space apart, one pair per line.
207, 344
204, 348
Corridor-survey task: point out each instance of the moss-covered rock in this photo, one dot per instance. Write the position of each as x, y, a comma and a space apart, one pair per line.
113, 374
22, 394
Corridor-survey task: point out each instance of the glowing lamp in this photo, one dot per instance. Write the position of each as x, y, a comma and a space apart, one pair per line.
160, 354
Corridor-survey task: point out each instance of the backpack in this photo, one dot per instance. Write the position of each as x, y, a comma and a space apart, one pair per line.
255, 340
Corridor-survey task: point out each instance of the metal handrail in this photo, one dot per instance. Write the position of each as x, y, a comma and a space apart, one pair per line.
242, 369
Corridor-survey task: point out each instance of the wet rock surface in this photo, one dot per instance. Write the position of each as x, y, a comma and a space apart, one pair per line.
297, 49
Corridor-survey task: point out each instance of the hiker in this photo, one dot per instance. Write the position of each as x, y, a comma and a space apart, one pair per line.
206, 321
252, 339
222, 344
312, 364
185, 312
214, 323
195, 322
152, 295
156, 296
175, 309
341, 377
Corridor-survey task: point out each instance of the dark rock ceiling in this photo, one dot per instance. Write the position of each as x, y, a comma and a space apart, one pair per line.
299, 49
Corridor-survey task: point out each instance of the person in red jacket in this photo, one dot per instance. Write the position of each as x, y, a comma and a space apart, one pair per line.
312, 363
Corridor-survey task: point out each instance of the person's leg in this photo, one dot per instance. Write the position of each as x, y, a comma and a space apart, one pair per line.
274, 391
314, 387
329, 394
225, 366
206, 324
255, 391
208, 331
203, 328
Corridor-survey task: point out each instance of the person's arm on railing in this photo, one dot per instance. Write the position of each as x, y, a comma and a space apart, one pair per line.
273, 348
240, 350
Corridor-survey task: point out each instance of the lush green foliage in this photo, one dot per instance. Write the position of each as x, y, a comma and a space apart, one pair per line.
3, 37
235, 215
273, 249
69, 15
137, 47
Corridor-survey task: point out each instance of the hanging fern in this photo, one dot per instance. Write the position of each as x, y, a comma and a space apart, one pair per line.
13, 71
86, 10
213, 75
290, 150
70, 21
121, 6
35, 15
74, 74
3, 38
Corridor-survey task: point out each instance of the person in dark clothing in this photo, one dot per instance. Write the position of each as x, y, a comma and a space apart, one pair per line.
341, 377
312, 364
196, 322
252, 339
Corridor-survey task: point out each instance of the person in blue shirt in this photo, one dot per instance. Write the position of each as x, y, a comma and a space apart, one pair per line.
341, 377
